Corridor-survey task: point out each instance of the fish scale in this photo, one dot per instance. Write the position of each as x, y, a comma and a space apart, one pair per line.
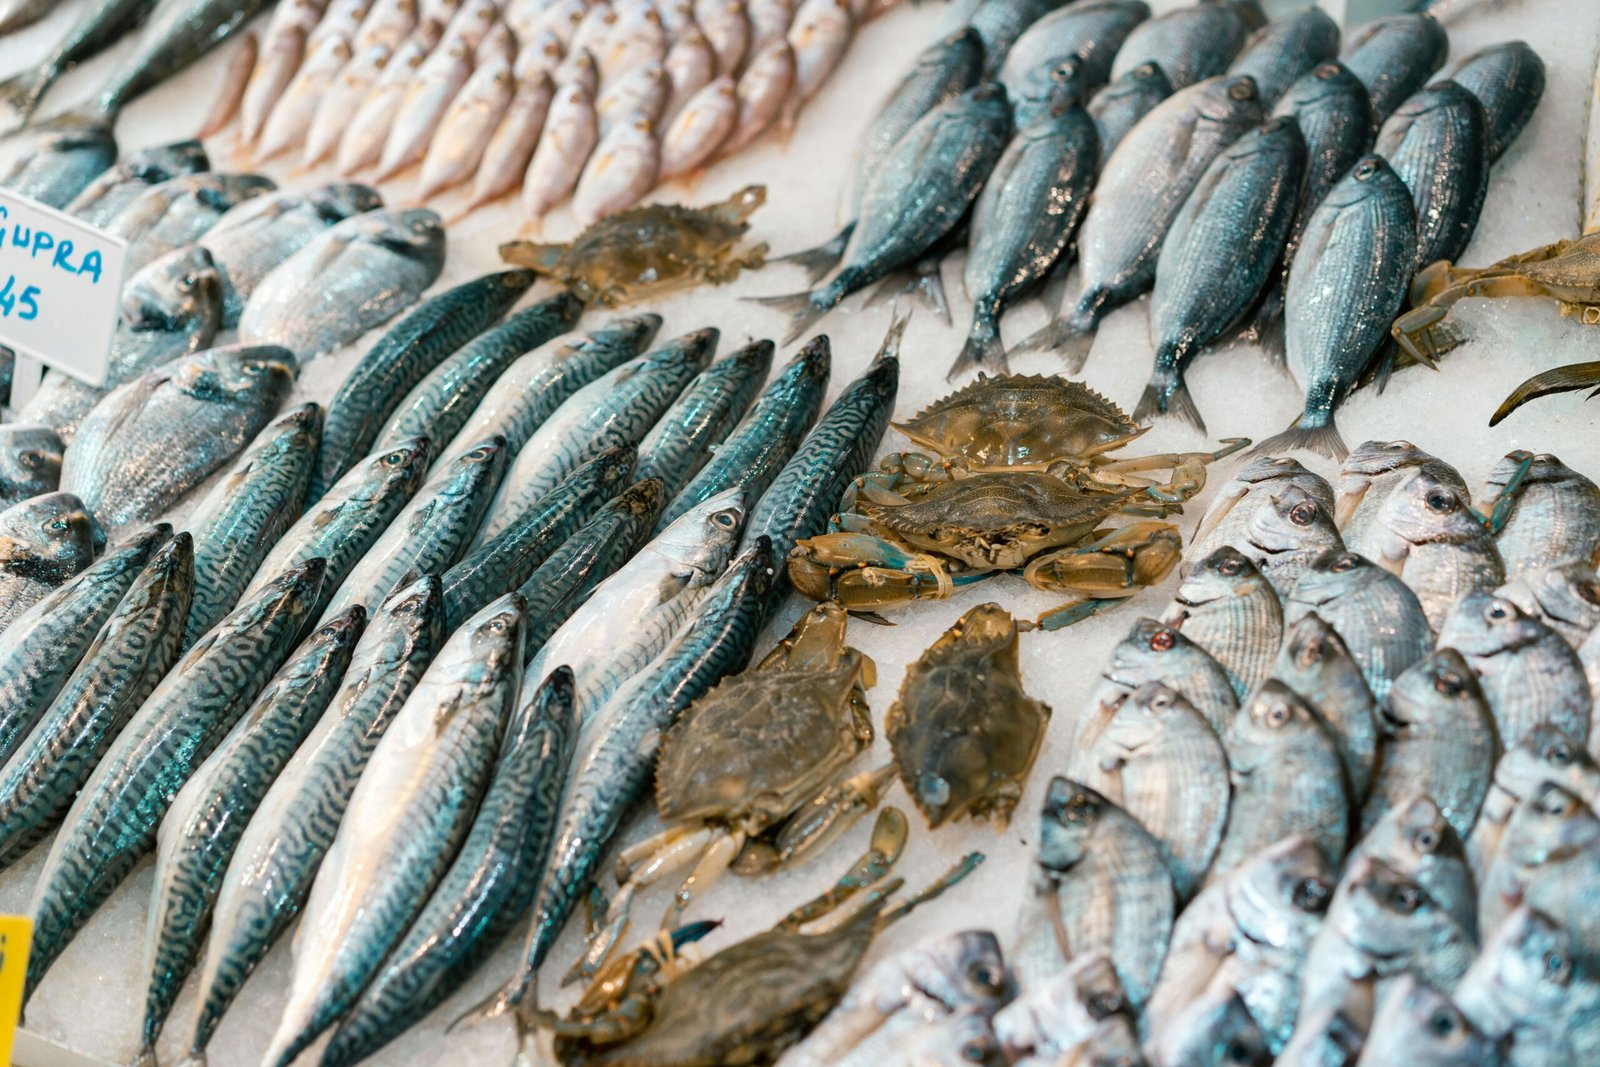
131, 653
198, 835
1438, 143
180, 212
1394, 56
1190, 43
401, 358
1376, 614
113, 822
278, 854
689, 433
1118, 107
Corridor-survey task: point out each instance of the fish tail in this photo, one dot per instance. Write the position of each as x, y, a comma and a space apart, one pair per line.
146, 1057
90, 113
929, 286
984, 350
1070, 336
1547, 383
803, 309
23, 91
1168, 395
818, 261
498, 1003
1323, 440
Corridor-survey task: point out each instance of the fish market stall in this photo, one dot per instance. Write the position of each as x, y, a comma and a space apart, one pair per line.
94, 998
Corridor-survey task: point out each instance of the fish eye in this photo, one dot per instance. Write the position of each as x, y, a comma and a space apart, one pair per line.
1365, 169
1064, 72
58, 524
1442, 1023
1589, 591
1303, 513
1103, 1005
1243, 89
1310, 895
725, 520
1441, 500
1310, 652
1080, 808
1559, 754
482, 452
394, 459
1344, 564
1408, 898
1557, 967
1231, 567
1497, 612
31, 460
1162, 700
1426, 839
1144, 71
188, 281
1163, 641
976, 1051
1239, 1052
1449, 683
1277, 714
1326, 71
987, 977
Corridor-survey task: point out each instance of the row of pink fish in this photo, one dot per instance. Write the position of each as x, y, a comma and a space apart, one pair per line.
597, 100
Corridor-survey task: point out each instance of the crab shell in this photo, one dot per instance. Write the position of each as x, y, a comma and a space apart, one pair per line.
994, 521
1017, 421
963, 733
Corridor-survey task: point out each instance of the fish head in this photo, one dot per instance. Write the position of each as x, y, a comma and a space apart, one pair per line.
1415, 838
180, 292
336, 201
1067, 823
1372, 458
1546, 753
1532, 966
411, 616
264, 371
1225, 574
1330, 82
1217, 1027
965, 1037
704, 537
1315, 659
1333, 574
406, 464
231, 189
1064, 1010
634, 331
56, 525
1426, 508
1483, 624
495, 636
1280, 897
1439, 692
1294, 520
1371, 178
1268, 720
1552, 824
963, 969
1386, 913
1231, 102
1418, 1025
1146, 715
686, 354
30, 460
297, 588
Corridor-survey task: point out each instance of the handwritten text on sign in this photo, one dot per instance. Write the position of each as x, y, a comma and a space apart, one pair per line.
60, 287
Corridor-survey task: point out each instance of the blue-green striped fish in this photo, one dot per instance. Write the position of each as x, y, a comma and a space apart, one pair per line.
488, 887
760, 445
279, 851
440, 405
507, 561
44, 541
433, 531
198, 835
244, 515
406, 820
616, 753
402, 358
113, 822
680, 444
541, 381
135, 648
340, 527
618, 409
43, 647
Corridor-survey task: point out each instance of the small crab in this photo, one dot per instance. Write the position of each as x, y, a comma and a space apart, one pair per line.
751, 1001
1020, 479
650, 250
755, 774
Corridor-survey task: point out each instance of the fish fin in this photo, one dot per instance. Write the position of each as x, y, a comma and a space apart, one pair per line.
1179, 403
1065, 337
800, 307
929, 285
1323, 440
818, 261
984, 350
23, 91
493, 1006
1546, 383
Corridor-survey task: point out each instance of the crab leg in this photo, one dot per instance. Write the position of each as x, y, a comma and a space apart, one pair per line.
713, 862
888, 840
831, 812
1499, 511
1423, 332
965, 866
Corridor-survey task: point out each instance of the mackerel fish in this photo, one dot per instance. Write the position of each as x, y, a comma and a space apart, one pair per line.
707, 410
180, 212
44, 541
30, 462
279, 852
134, 174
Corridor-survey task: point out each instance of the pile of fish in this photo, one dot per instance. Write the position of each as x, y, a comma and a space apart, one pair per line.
1338, 805
596, 100
1223, 154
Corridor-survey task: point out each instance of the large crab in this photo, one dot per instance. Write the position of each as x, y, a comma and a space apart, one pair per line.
1018, 476
752, 1000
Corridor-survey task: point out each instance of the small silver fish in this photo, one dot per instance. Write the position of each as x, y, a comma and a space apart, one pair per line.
1416, 840
1545, 754
764, 87
1533, 985
341, 100
1234, 511
368, 128
296, 109
1317, 665
690, 64
1156, 652
464, 133
819, 36
1566, 596
387, 24
570, 135
1548, 860
1064, 1013
637, 40
1417, 1024
44, 541
1229, 609
727, 28
623, 168
426, 100
1369, 474
706, 121
283, 45
1428, 534
1378, 616
510, 149
1554, 516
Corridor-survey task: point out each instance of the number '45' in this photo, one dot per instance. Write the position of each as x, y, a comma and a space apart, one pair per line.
26, 306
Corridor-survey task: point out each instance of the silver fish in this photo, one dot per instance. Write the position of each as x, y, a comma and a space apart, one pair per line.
1544, 755
365, 131
1318, 666
1090, 33
623, 168
1099, 888
1438, 143
1235, 515
1429, 534
1438, 740
705, 121
1553, 517
152, 440
1217, 1023
727, 28
818, 37
1508, 79
510, 149
1395, 56
1120, 106
1287, 780
1548, 861
1533, 985
1372, 471
135, 173
64, 156
690, 64
1064, 1013
355, 276
292, 116
1415, 839
1377, 615
180, 212
1418, 1024
1191, 43
764, 87
459, 144
1530, 674
1156, 652
436, 82
1281, 52
1229, 609
30, 461
283, 46
570, 135
1331, 1035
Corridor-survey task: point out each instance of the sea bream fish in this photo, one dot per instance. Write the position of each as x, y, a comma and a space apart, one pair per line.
1438, 143
1190, 43
1118, 107
1394, 56
1508, 79
1279, 53
134, 174
30, 461
179, 212
61, 161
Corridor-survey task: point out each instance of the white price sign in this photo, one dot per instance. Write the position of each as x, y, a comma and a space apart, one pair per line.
60, 290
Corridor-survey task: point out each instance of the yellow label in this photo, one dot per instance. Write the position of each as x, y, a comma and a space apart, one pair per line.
16, 937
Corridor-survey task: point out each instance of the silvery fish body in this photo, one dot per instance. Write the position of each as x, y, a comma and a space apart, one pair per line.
1156, 652
1235, 509
408, 815
430, 533
762, 444
1548, 860
1554, 516
1438, 740
30, 462
705, 413
1416, 840
1227, 607
1142, 188
253, 238
1120, 106
1359, 243
1508, 80
1529, 673
488, 886
1418, 1024
1024, 219
505, 562
1532, 985
999, 24
171, 308
177, 33
1372, 471
1428, 534
1217, 1020
1190, 43
1566, 596
1099, 877
1438, 143
403, 356
355, 276
180, 212
1281, 524
1544, 754
63, 158
439, 405
199, 833
618, 408
1091, 33
1318, 666
1378, 616
136, 172
1218, 255
39, 652
113, 822
341, 526
153, 439
1287, 780
278, 854
634, 614
614, 761
1068, 1013
131, 652
1281, 52
44, 541
239, 521
1395, 56
533, 387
